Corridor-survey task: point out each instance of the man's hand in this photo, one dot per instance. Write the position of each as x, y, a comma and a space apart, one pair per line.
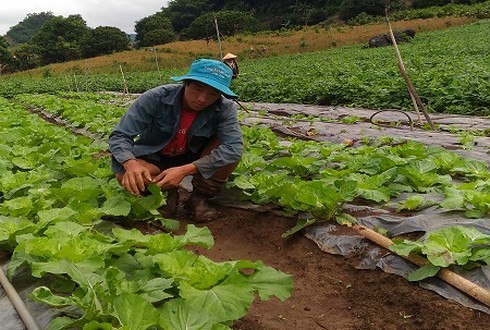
136, 177
172, 177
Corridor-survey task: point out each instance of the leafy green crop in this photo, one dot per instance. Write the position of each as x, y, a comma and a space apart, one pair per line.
456, 245
318, 178
106, 276
53, 183
55, 194
449, 69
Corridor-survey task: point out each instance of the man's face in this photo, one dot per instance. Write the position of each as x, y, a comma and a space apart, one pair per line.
199, 96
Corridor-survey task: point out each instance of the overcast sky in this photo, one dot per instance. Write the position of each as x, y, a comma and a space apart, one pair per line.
118, 13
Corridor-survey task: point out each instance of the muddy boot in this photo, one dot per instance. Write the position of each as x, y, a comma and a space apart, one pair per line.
200, 208
203, 189
170, 209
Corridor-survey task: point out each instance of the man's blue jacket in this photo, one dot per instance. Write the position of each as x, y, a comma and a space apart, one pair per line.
153, 119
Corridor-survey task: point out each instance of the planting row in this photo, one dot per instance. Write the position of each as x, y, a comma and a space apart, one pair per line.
319, 178
56, 197
449, 69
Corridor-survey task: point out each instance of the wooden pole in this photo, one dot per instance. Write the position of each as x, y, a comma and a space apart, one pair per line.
154, 50
411, 89
456, 280
126, 90
86, 75
19, 305
218, 36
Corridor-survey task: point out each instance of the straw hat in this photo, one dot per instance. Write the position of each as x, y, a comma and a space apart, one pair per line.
229, 56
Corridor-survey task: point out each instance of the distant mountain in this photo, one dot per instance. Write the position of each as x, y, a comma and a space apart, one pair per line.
23, 31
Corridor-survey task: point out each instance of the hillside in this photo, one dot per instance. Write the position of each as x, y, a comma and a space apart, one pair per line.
449, 68
179, 54
43, 39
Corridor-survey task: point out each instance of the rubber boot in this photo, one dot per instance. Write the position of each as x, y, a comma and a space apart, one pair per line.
200, 208
203, 189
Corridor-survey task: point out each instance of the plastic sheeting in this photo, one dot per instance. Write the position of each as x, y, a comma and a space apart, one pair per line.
280, 117
24, 284
334, 239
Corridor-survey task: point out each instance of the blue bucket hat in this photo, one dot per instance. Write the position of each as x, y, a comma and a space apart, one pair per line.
213, 73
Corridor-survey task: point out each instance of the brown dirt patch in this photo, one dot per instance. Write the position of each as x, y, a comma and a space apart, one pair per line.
328, 293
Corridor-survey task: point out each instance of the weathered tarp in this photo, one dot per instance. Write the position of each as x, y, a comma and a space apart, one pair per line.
24, 284
334, 239
348, 244
283, 118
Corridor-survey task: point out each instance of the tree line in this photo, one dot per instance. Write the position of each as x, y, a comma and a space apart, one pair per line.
43, 38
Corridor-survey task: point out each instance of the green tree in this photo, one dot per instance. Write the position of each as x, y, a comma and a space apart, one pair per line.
157, 37
273, 14
352, 8
183, 12
5, 54
431, 3
151, 23
103, 40
25, 30
229, 23
26, 56
59, 39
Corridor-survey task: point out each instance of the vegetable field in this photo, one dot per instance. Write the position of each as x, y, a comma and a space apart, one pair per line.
59, 195
449, 68
106, 260
55, 195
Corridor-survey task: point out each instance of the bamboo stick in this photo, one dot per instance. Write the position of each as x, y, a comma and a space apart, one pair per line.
218, 36
19, 305
417, 102
125, 85
456, 280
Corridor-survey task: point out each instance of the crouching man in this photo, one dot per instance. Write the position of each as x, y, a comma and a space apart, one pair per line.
177, 130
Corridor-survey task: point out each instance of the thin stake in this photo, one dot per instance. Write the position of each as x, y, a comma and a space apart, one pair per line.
86, 75
125, 91
217, 34
19, 305
158, 67
411, 89
241, 105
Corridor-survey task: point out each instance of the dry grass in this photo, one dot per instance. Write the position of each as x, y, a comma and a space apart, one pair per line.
315, 38
180, 54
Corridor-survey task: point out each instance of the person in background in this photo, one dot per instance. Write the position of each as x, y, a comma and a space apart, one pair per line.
176, 130
229, 59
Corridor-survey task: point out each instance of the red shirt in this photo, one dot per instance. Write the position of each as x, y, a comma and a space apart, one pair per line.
178, 145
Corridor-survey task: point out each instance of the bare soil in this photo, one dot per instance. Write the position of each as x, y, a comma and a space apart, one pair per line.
328, 293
